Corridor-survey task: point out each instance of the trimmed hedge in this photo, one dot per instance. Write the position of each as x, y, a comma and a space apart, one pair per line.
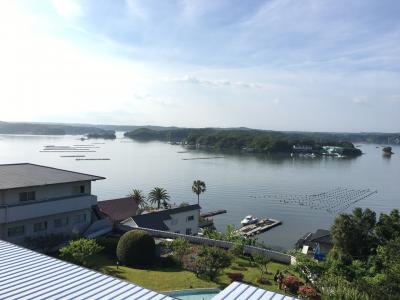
136, 248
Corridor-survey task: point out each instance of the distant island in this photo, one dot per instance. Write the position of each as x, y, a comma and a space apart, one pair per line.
107, 135
251, 140
49, 129
239, 138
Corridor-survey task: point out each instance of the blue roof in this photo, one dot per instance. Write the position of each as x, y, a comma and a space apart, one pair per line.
25, 274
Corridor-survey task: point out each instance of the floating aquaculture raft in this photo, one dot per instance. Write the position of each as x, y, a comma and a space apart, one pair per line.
334, 201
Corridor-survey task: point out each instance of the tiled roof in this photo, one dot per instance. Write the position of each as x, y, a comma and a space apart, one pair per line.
25, 274
241, 291
27, 175
118, 209
155, 220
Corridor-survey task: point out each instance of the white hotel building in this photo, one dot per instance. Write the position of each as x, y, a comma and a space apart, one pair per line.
38, 200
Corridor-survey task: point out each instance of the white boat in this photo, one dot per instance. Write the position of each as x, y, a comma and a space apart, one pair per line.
248, 220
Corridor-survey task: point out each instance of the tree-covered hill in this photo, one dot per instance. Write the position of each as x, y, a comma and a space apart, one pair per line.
48, 129
249, 140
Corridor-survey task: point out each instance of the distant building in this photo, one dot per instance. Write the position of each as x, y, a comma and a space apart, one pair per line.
38, 200
117, 210
184, 220
319, 241
302, 148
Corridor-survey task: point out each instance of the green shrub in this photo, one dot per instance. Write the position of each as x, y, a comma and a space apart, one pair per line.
79, 251
210, 261
168, 262
180, 248
136, 248
109, 243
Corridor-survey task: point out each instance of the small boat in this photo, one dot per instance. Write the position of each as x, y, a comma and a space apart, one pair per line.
248, 220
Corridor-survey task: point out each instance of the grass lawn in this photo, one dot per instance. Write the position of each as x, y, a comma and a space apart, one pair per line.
167, 279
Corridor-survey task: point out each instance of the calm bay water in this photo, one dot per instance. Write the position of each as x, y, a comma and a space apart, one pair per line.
242, 184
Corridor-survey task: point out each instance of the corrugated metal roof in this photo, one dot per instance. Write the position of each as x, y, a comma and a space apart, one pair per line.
241, 291
26, 175
25, 274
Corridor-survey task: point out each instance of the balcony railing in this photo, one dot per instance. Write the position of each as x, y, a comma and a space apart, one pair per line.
37, 209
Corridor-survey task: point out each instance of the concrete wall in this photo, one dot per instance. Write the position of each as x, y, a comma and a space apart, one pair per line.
36, 209
73, 225
180, 223
11, 197
274, 255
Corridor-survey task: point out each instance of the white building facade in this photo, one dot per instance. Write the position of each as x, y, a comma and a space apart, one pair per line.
37, 200
184, 220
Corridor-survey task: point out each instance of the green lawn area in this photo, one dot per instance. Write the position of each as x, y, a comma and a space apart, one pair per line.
167, 279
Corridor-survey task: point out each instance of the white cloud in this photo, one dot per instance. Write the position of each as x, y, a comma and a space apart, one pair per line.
361, 100
68, 8
218, 83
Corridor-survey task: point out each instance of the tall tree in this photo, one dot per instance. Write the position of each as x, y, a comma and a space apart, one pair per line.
138, 197
159, 196
198, 187
388, 226
353, 234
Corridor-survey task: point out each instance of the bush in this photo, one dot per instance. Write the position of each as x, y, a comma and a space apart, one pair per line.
136, 248
168, 262
45, 243
237, 248
210, 261
292, 283
263, 280
307, 292
109, 243
79, 251
180, 248
236, 276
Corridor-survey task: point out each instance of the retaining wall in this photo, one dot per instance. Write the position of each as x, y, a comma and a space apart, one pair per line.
274, 255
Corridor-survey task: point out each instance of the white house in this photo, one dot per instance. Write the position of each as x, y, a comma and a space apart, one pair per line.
184, 220
38, 200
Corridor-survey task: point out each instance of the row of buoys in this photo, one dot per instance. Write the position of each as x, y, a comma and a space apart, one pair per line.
333, 201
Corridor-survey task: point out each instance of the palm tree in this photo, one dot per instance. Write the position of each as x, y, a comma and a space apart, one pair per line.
198, 187
138, 197
160, 196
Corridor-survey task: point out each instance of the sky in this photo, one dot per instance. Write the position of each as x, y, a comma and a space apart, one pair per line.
331, 65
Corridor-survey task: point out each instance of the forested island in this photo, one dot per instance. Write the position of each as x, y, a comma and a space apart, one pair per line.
107, 135
49, 129
248, 140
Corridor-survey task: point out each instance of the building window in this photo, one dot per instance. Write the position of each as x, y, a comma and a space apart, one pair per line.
27, 196
61, 222
174, 221
190, 218
188, 231
79, 189
79, 219
16, 231
42, 226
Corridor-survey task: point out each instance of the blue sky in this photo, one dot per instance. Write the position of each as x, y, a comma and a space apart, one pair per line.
278, 64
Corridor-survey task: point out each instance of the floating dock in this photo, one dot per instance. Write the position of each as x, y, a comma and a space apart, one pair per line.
213, 213
257, 228
93, 159
212, 157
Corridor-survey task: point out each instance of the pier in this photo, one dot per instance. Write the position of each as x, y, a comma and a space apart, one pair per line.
194, 158
213, 213
257, 228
